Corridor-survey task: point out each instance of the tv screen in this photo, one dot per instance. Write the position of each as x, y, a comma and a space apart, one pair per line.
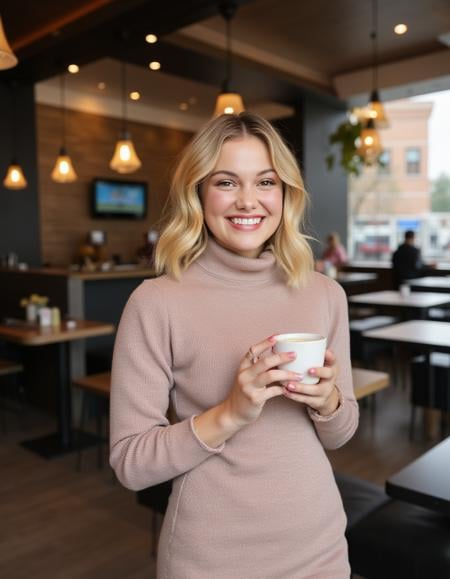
122, 199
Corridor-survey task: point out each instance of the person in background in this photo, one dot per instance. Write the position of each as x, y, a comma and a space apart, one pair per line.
253, 491
334, 251
407, 261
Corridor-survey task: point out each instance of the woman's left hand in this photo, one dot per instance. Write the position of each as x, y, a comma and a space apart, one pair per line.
323, 396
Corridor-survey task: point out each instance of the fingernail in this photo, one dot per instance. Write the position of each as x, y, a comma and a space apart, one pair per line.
300, 376
291, 387
292, 354
272, 338
312, 370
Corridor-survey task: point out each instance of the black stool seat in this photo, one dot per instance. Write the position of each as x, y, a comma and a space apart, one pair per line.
400, 541
391, 539
360, 348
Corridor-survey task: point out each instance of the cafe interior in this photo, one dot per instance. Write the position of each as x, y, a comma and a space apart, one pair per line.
97, 100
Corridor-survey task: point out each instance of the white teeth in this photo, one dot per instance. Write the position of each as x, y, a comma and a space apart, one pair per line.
246, 221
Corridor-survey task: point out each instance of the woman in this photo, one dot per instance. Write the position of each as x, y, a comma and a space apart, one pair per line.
334, 251
253, 494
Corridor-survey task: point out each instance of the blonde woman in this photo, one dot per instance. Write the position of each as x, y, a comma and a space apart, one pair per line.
253, 495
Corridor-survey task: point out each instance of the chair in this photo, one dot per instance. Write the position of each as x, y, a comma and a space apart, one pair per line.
97, 387
9, 368
361, 349
392, 539
420, 388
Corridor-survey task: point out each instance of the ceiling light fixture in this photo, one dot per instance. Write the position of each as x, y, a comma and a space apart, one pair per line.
375, 107
73, 68
369, 147
7, 57
125, 159
63, 171
135, 95
14, 179
154, 65
400, 29
151, 38
101, 85
228, 102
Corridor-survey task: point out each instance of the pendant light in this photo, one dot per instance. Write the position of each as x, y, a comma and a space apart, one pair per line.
370, 146
125, 159
228, 102
14, 179
375, 108
7, 57
63, 171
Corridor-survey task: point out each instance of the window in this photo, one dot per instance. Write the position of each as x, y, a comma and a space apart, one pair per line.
413, 161
384, 162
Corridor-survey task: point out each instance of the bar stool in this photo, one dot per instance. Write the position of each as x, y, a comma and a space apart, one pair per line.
9, 368
98, 388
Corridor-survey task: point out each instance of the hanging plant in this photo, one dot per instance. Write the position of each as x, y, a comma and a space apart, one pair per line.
346, 138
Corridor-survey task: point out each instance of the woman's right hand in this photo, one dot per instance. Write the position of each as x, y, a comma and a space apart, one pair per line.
258, 379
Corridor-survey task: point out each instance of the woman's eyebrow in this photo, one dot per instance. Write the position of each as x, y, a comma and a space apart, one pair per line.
231, 174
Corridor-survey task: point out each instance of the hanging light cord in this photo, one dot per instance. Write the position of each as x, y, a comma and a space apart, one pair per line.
228, 69
374, 36
228, 10
63, 110
124, 98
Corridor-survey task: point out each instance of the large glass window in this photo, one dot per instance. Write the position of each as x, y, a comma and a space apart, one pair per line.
412, 161
385, 201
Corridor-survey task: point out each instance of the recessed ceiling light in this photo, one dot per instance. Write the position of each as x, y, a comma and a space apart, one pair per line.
400, 29
101, 85
135, 95
183, 106
151, 38
73, 68
154, 65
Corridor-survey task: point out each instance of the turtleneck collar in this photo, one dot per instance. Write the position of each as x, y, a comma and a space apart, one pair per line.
222, 263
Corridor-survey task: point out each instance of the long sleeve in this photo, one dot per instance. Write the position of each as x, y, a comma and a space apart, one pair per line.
335, 430
145, 449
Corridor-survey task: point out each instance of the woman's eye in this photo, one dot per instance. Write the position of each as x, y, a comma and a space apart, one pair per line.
225, 183
267, 183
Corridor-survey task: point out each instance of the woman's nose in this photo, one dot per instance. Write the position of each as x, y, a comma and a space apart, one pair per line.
246, 198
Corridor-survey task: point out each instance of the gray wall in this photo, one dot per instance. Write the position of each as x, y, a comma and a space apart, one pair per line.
327, 189
19, 209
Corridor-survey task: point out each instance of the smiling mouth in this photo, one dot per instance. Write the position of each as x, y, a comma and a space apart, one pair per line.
246, 220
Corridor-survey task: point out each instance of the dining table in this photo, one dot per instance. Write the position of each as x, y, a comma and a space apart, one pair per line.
435, 284
27, 334
415, 304
425, 481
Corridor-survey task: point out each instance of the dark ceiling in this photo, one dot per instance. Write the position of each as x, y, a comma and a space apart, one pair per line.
281, 47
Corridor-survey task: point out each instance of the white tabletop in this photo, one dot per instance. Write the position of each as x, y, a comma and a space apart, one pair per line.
420, 332
430, 282
393, 298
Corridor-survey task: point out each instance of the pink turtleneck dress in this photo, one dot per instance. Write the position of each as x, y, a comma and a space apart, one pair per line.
264, 505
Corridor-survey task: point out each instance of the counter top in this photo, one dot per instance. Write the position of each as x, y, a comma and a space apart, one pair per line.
120, 272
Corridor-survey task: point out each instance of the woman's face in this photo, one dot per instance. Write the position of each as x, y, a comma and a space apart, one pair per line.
243, 197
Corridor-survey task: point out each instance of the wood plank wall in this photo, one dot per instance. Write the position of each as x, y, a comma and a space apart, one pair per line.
65, 209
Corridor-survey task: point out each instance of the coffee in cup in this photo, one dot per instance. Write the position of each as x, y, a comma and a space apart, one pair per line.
310, 350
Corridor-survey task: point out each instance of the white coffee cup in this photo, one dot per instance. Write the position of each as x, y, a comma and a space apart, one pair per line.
310, 350
405, 290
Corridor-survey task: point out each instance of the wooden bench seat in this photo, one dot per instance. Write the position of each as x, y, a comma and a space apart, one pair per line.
9, 367
367, 382
99, 384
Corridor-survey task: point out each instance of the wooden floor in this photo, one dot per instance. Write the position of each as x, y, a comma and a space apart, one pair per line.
58, 523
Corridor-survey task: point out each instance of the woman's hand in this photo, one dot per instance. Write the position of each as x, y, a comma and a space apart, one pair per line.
258, 379
322, 397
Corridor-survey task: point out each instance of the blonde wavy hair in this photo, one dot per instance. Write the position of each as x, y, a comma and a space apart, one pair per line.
184, 235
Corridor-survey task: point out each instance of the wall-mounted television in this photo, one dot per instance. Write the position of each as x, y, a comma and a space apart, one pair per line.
112, 198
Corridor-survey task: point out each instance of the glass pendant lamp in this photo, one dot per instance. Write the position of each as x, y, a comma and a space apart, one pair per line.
228, 102
7, 57
63, 171
15, 178
375, 107
125, 159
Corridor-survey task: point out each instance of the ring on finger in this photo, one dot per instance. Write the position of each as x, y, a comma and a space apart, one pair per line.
252, 357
